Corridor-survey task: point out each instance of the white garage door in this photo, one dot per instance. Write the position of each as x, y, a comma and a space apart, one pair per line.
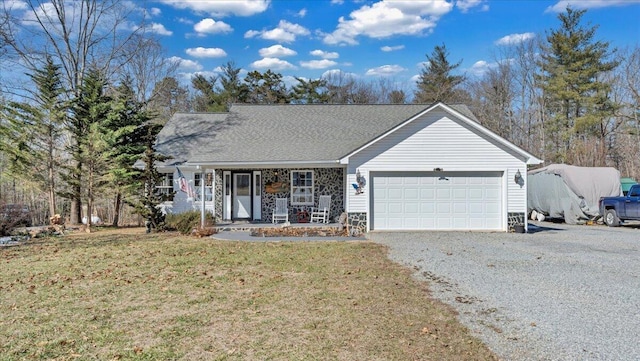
437, 201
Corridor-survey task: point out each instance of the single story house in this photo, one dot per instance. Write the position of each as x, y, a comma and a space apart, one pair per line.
389, 167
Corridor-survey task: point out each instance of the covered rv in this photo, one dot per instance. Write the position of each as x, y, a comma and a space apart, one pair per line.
570, 192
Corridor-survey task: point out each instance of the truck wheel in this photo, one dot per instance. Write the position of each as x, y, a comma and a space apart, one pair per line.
611, 218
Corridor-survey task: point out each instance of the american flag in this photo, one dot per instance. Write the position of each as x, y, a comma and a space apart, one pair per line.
184, 184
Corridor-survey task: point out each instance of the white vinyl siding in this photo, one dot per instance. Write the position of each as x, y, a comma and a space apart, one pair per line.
438, 140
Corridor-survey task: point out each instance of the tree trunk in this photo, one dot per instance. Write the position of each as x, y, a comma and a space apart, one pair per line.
116, 210
76, 207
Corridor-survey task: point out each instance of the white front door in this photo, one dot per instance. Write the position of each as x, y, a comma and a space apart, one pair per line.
242, 195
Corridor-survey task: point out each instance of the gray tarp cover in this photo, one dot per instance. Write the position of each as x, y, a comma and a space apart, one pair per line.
570, 192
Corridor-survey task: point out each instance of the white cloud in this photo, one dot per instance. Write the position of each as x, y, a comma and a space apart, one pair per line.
338, 2
15, 5
251, 34
318, 64
466, 5
513, 39
159, 29
155, 11
561, 6
414, 79
222, 7
286, 32
273, 64
186, 65
276, 51
201, 52
388, 18
480, 67
156, 29
325, 54
392, 48
337, 73
302, 13
210, 26
385, 70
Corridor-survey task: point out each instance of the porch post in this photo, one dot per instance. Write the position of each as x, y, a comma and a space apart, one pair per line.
202, 198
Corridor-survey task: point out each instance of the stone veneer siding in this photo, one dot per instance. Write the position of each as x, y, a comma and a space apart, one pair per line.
327, 181
357, 223
515, 218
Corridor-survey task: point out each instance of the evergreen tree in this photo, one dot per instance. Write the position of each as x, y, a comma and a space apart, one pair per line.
147, 197
266, 88
231, 89
31, 135
91, 151
126, 125
206, 99
310, 91
578, 104
436, 82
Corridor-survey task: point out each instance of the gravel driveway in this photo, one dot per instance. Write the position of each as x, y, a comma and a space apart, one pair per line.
559, 292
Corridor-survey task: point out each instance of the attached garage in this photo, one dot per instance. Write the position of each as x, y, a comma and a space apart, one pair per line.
437, 201
440, 170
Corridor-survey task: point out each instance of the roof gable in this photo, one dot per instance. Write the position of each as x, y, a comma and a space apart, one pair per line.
461, 113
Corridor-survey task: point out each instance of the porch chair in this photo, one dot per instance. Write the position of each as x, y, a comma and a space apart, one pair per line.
281, 211
321, 212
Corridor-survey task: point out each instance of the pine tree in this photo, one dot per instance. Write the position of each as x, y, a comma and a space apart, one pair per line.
126, 125
436, 82
147, 197
31, 135
92, 149
266, 88
310, 91
231, 89
578, 105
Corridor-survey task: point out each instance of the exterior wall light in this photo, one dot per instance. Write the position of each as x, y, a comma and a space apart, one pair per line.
518, 178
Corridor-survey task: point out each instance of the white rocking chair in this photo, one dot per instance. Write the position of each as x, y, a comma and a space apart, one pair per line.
281, 211
321, 212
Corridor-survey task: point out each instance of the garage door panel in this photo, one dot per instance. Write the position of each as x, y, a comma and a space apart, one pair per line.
460, 194
411, 193
430, 201
394, 208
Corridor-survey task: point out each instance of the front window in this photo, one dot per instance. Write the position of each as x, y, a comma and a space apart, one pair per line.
302, 187
208, 186
165, 186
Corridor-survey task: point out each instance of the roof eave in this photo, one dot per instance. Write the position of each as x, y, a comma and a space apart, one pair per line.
266, 164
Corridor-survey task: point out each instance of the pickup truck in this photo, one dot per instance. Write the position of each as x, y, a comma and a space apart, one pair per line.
617, 209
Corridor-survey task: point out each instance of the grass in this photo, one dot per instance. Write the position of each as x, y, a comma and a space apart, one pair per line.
122, 294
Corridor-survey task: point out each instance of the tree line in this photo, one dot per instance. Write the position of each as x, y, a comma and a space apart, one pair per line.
98, 95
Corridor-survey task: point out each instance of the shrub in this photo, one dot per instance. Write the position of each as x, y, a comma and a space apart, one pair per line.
188, 222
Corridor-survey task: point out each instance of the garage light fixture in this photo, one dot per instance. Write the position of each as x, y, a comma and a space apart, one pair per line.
437, 169
518, 178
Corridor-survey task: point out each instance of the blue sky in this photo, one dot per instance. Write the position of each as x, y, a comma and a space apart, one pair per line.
367, 38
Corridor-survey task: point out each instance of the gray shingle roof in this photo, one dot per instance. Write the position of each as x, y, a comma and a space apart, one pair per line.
280, 133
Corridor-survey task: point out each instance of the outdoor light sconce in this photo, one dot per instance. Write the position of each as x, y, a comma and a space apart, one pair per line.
437, 169
518, 178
